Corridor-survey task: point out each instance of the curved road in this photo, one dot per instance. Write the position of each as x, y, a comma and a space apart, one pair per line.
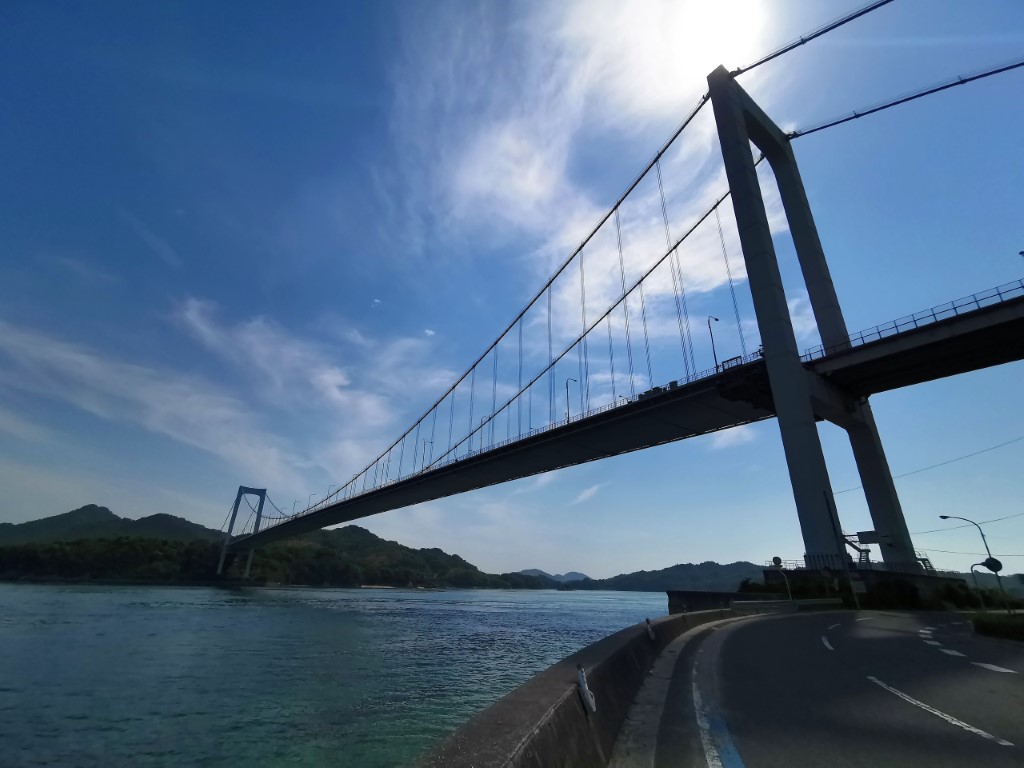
842, 690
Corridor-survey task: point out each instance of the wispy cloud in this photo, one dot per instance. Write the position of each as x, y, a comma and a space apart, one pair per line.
491, 119
352, 395
82, 270
536, 483
285, 368
804, 325
730, 438
23, 429
183, 407
587, 493
156, 244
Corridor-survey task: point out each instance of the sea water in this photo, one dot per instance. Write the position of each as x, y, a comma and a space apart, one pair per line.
178, 676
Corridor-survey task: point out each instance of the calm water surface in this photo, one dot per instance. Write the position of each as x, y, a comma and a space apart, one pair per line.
104, 676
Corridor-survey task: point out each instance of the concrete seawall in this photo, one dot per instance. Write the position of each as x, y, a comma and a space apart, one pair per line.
544, 723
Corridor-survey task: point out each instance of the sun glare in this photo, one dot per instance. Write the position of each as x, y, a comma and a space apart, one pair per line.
729, 32
647, 55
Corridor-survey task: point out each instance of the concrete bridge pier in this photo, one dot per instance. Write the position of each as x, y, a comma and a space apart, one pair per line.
880, 491
876, 478
741, 122
801, 398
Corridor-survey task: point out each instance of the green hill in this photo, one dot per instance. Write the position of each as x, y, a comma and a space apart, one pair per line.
708, 576
353, 556
93, 544
96, 522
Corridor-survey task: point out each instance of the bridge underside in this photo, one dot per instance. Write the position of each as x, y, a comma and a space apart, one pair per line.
674, 414
741, 395
969, 342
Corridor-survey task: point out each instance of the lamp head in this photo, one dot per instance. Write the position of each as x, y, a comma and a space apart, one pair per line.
944, 517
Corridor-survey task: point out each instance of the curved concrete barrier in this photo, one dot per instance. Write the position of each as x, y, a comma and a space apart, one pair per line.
544, 722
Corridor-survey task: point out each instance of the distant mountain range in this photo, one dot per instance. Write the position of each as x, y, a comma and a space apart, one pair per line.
83, 544
561, 578
96, 522
708, 576
92, 542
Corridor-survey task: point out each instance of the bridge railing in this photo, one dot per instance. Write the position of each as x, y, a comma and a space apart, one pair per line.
971, 303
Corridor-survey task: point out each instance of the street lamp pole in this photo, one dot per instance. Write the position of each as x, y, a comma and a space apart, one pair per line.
989, 551
974, 575
778, 564
712, 335
567, 398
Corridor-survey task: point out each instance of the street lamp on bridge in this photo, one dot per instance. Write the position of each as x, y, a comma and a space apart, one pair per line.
712, 335
567, 398
777, 562
991, 563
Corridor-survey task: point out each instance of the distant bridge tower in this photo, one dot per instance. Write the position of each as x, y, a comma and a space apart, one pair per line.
242, 491
802, 397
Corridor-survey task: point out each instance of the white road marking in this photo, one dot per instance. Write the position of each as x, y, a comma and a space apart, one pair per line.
933, 642
714, 760
951, 652
993, 667
930, 629
866, 618
833, 626
948, 718
825, 641
957, 623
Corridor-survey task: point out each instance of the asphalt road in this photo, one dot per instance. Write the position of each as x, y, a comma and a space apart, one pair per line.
842, 690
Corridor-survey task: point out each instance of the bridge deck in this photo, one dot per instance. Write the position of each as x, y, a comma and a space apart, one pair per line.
983, 337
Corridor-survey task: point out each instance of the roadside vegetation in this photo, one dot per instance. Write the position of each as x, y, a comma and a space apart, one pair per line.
890, 595
1002, 625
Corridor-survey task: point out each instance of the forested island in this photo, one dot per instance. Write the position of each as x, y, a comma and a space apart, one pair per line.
92, 544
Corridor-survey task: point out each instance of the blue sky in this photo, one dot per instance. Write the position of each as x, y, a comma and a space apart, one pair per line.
249, 245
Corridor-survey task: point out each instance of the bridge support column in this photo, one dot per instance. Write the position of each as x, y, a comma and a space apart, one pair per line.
242, 491
255, 529
740, 121
876, 478
880, 492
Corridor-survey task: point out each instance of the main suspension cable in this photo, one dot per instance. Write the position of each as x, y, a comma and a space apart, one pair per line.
803, 39
958, 80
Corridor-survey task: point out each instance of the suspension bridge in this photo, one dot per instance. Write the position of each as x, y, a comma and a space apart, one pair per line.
602, 359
